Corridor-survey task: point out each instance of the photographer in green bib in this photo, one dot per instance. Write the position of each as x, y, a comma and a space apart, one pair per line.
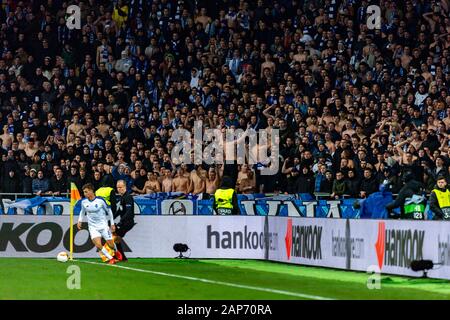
440, 200
410, 199
225, 198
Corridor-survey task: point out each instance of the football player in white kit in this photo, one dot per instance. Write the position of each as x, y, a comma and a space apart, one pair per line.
98, 214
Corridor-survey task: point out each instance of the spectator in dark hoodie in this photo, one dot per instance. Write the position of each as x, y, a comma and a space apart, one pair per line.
27, 180
73, 177
353, 183
107, 178
10, 164
11, 184
97, 181
392, 175
428, 181
305, 181
291, 170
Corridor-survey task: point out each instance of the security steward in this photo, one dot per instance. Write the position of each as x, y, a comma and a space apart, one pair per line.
440, 200
109, 195
225, 198
125, 209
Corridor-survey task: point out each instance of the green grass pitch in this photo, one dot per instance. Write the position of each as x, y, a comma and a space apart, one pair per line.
189, 279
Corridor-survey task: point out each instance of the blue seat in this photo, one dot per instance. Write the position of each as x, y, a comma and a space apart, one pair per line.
58, 209
40, 211
305, 196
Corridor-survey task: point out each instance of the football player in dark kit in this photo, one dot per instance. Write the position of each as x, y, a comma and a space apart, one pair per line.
125, 209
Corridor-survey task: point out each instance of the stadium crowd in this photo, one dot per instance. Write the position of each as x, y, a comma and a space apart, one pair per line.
354, 106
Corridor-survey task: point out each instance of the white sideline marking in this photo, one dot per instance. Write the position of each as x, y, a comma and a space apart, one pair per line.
229, 284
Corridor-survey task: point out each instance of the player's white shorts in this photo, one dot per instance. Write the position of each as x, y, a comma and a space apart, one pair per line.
102, 232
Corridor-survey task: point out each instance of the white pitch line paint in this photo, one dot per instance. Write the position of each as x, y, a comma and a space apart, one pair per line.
228, 284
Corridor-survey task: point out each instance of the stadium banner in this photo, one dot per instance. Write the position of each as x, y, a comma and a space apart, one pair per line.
391, 245
309, 241
31, 236
237, 237
300, 208
387, 246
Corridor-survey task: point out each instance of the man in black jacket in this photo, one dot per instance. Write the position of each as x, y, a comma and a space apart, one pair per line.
11, 184
305, 182
27, 181
125, 209
58, 183
369, 184
353, 183
410, 196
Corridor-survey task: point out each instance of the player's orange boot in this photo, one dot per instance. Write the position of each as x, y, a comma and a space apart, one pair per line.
119, 255
112, 261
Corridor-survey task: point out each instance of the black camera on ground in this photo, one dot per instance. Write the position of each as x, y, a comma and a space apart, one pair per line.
180, 248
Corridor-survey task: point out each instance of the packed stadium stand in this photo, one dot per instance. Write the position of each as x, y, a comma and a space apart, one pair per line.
355, 106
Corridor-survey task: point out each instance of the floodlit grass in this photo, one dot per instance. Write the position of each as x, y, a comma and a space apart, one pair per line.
191, 279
